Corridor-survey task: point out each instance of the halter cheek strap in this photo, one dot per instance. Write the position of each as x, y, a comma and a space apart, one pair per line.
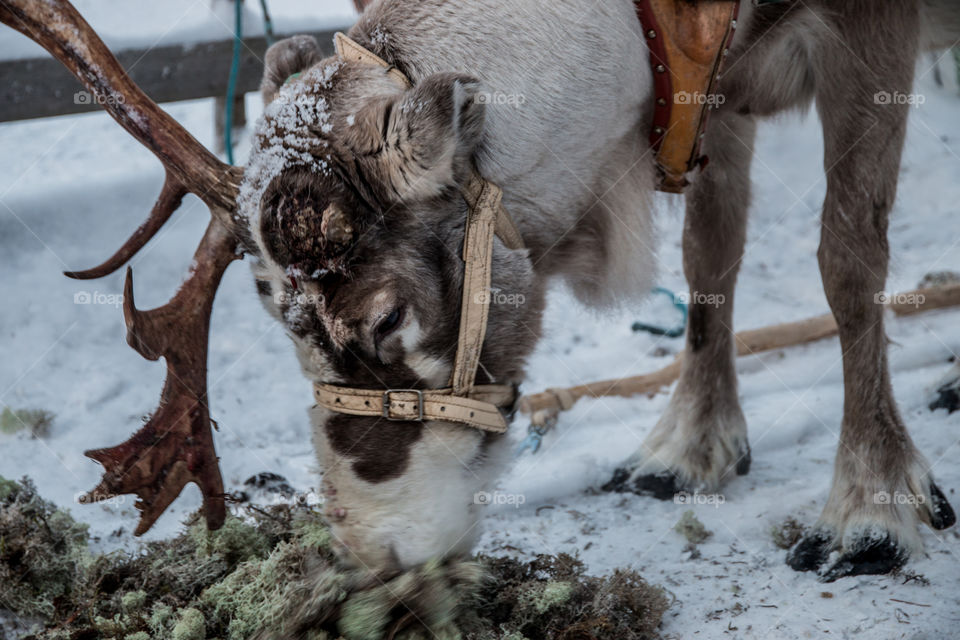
463, 402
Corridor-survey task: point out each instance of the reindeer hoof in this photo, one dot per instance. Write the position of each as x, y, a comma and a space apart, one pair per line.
811, 552
947, 397
942, 515
662, 486
868, 554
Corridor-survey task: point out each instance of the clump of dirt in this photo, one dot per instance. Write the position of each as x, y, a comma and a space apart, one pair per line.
787, 533
270, 573
551, 597
692, 529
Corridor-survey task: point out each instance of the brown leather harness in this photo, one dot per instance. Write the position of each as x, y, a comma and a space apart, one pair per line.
688, 40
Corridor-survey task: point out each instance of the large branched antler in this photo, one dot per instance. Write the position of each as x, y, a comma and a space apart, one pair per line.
176, 446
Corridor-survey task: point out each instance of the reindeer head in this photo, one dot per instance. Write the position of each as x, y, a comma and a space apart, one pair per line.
353, 201
352, 212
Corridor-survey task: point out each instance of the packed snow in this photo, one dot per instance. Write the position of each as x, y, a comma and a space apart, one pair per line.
73, 188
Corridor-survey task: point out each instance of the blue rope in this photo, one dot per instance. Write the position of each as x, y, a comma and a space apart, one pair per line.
232, 83
671, 332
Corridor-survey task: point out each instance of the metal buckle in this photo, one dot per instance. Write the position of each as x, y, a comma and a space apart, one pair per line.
386, 404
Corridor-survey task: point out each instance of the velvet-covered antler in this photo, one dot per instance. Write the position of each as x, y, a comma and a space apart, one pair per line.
176, 446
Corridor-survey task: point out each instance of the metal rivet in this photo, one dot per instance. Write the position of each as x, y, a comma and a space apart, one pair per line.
661, 102
733, 24
658, 130
726, 52
651, 34
660, 68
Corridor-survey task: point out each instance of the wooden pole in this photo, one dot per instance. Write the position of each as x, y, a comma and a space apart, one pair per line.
748, 342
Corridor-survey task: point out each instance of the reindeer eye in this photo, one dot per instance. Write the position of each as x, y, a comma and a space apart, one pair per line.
389, 324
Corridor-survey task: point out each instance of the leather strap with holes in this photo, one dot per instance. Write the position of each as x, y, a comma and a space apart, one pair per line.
479, 410
688, 42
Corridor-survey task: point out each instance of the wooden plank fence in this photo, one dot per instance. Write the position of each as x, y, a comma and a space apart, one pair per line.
42, 87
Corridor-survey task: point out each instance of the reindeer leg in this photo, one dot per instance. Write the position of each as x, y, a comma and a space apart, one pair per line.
882, 486
701, 440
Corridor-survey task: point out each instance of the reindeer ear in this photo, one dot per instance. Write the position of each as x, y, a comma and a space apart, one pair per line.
285, 58
424, 137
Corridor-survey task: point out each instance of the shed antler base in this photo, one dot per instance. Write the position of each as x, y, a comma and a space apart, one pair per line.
176, 445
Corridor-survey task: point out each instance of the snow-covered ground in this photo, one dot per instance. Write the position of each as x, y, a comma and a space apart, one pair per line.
72, 188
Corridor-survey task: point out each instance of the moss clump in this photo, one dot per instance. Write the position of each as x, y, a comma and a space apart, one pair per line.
273, 576
236, 541
42, 550
692, 529
191, 626
551, 598
36, 421
787, 533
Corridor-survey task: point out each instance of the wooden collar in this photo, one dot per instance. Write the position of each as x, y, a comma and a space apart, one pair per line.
463, 402
688, 42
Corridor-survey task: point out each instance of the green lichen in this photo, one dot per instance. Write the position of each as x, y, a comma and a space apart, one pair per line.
162, 618
273, 576
553, 594
236, 541
191, 626
134, 601
691, 528
36, 421
42, 551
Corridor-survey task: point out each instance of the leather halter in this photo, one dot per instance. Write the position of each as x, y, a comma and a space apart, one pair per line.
688, 41
462, 402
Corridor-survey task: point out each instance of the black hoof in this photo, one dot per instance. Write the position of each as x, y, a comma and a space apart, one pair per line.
942, 515
662, 486
811, 552
947, 397
868, 556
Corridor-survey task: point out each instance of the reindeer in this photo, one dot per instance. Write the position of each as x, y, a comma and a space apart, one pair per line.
355, 204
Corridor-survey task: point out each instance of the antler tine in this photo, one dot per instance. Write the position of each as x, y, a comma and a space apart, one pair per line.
169, 201
58, 27
176, 445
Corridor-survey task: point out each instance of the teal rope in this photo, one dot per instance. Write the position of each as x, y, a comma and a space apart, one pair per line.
232, 83
956, 59
267, 24
671, 332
